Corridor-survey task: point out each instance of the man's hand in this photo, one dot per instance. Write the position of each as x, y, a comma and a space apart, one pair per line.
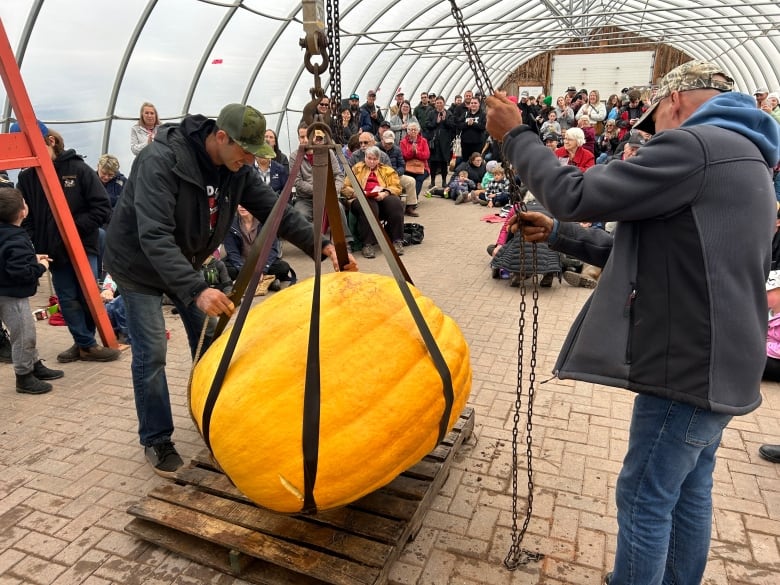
330, 252
502, 116
214, 302
536, 226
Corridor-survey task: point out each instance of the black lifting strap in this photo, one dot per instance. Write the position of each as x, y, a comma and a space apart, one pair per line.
403, 280
247, 280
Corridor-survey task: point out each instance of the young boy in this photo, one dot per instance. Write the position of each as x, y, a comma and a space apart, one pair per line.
20, 269
461, 187
497, 191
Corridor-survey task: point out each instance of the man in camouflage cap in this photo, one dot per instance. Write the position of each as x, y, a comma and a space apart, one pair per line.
175, 210
679, 312
687, 77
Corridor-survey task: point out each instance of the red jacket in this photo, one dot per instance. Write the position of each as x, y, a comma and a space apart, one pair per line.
583, 159
418, 149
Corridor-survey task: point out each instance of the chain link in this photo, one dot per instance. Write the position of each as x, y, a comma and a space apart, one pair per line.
478, 69
516, 555
334, 50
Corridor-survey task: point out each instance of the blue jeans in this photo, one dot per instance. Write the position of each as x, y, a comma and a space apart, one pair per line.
664, 493
146, 324
72, 302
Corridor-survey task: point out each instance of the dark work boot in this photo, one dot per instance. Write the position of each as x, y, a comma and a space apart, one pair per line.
5, 349
29, 384
43, 373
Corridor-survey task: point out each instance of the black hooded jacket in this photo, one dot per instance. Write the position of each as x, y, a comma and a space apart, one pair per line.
87, 200
160, 234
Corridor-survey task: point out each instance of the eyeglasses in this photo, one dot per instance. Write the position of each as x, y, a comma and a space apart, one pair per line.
364, 142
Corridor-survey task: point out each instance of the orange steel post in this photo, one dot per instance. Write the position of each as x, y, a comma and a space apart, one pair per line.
31, 151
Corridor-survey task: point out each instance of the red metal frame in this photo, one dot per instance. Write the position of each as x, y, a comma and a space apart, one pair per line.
28, 149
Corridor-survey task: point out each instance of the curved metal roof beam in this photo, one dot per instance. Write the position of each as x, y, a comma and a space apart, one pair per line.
24, 40
120, 73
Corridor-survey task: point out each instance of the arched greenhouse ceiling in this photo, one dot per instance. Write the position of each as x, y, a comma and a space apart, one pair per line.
89, 64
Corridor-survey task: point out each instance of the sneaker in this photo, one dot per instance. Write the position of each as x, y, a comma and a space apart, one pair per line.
460, 198
399, 248
98, 353
607, 578
43, 373
547, 280
276, 285
368, 251
163, 458
72, 354
577, 279
411, 211
29, 384
515, 279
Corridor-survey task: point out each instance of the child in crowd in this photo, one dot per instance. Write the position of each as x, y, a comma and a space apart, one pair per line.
461, 187
496, 194
115, 307
772, 368
20, 270
490, 167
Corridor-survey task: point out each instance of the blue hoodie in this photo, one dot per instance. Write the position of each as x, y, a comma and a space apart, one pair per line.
738, 112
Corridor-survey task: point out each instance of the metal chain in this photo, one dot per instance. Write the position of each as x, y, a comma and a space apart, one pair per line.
477, 67
334, 50
516, 556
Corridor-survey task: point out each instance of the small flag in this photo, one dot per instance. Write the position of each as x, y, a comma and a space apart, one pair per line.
217, 62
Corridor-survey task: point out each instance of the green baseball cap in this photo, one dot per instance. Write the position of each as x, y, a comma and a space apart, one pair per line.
246, 126
688, 76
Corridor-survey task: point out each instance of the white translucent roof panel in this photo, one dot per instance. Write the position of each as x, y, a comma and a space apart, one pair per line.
89, 64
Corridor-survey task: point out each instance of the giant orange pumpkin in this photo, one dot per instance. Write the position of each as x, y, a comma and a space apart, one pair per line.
381, 396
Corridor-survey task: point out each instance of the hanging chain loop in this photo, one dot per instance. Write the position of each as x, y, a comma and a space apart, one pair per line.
334, 50
516, 555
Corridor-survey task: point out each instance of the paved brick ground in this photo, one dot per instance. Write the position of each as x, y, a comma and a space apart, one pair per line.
70, 463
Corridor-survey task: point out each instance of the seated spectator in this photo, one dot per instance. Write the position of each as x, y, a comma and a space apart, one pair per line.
551, 140
414, 148
551, 124
573, 153
408, 184
490, 167
272, 173
366, 141
772, 369
113, 181
607, 142
475, 166
497, 193
304, 182
382, 187
272, 141
771, 105
115, 308
563, 114
513, 256
631, 112
583, 122
346, 128
461, 188
238, 243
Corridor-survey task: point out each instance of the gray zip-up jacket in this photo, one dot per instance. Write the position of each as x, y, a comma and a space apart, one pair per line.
680, 310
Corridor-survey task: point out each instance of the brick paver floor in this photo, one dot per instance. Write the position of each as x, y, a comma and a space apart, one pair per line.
71, 465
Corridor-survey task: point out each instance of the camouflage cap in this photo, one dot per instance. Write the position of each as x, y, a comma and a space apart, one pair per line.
246, 127
686, 77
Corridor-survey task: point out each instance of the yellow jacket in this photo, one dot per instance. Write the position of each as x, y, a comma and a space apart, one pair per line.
385, 176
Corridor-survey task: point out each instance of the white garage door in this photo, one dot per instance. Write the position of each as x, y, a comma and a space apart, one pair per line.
606, 72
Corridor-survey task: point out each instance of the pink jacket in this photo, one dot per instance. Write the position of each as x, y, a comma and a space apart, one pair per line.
773, 337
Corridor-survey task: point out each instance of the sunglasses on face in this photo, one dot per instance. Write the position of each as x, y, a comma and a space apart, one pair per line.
364, 142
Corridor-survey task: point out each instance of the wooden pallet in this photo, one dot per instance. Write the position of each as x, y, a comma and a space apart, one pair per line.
204, 518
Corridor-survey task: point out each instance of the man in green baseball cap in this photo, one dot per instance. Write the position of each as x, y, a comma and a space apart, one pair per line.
175, 210
245, 126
